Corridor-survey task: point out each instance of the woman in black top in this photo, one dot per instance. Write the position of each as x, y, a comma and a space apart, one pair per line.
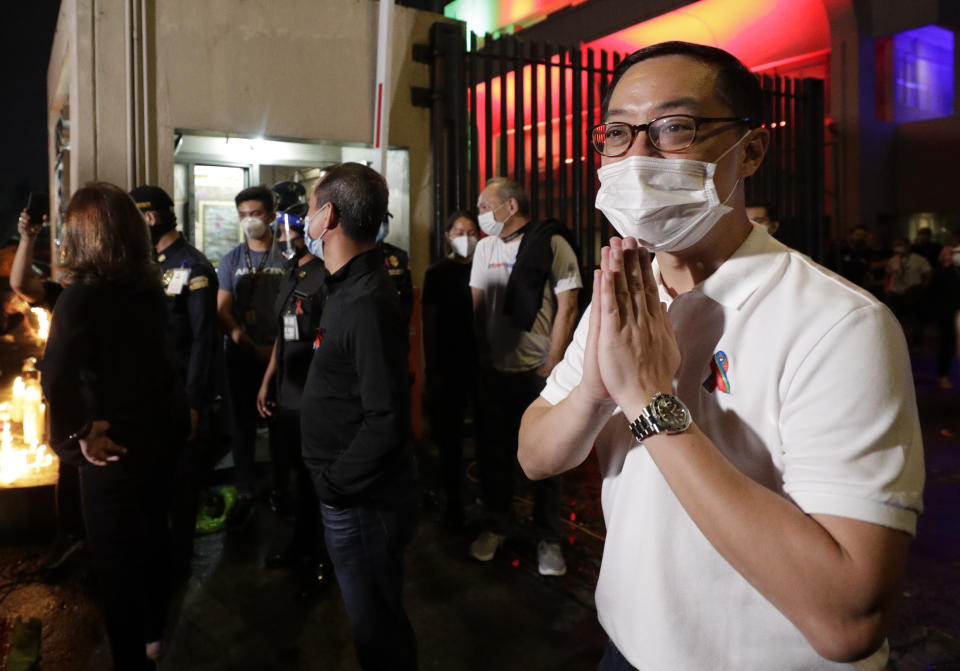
117, 409
451, 353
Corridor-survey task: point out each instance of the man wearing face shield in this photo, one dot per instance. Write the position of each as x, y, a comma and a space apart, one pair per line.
249, 275
753, 414
297, 314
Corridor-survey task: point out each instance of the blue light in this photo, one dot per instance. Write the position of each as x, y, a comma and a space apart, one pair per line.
923, 74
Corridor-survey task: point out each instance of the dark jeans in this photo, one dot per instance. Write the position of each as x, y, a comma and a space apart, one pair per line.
366, 547
453, 392
244, 375
504, 398
306, 523
125, 508
613, 660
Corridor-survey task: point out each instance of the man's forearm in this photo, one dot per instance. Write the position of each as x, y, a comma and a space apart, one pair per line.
557, 438
836, 579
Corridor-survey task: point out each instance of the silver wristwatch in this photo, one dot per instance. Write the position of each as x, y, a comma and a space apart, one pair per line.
664, 414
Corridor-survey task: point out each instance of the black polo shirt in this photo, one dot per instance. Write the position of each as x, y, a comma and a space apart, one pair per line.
356, 402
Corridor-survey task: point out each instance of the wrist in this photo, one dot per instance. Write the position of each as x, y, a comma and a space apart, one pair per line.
592, 402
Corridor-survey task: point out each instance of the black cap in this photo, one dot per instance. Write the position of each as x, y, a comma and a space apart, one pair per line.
288, 194
151, 198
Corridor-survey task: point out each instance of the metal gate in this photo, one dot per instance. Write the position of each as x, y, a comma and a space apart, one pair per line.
522, 109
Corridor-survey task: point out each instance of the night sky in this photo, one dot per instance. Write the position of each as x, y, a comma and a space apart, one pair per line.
26, 33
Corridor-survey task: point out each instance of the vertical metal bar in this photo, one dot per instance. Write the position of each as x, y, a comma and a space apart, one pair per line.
814, 124
503, 164
577, 139
792, 172
519, 121
562, 167
487, 115
534, 131
474, 148
549, 175
458, 84
589, 215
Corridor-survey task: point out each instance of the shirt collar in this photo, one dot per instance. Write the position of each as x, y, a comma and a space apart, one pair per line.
737, 278
361, 264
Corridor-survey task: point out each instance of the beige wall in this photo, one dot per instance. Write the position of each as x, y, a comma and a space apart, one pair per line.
291, 69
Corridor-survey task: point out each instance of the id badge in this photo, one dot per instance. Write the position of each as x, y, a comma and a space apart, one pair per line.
291, 331
251, 317
178, 281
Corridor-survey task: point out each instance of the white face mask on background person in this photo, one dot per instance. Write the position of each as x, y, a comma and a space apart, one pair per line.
463, 245
489, 224
253, 227
667, 204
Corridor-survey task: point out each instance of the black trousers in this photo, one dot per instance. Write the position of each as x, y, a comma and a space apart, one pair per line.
195, 462
504, 397
307, 528
125, 509
452, 393
244, 375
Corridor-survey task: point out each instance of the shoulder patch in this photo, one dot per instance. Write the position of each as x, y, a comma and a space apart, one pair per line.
199, 282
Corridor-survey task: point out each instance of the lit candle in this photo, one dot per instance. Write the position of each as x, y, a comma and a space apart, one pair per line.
32, 426
16, 409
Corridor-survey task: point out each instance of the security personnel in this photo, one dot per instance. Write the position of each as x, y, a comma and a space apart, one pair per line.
397, 263
297, 309
190, 283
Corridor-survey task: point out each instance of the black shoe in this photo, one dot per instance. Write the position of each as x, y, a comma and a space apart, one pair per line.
63, 549
241, 511
289, 557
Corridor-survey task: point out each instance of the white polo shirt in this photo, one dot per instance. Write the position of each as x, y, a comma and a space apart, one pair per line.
816, 403
513, 350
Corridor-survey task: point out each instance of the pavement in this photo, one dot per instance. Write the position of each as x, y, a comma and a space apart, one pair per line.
234, 615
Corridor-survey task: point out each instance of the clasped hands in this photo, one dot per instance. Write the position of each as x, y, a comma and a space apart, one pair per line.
631, 350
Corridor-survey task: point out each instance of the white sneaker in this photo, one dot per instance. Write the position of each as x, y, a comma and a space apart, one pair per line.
550, 559
485, 546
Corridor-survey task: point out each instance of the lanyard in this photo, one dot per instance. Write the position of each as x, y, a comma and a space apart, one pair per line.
263, 261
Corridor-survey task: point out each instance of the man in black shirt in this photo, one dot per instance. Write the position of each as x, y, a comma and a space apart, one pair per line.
297, 313
190, 285
355, 414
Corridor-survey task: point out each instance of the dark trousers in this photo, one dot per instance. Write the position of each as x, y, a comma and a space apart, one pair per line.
125, 508
613, 660
196, 462
452, 394
504, 397
69, 510
244, 375
306, 523
366, 547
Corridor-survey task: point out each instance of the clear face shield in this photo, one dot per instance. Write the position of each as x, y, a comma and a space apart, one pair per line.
289, 225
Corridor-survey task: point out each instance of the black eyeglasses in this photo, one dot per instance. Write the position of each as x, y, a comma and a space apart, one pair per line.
672, 133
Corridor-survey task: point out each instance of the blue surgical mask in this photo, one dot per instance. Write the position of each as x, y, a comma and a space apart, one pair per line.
314, 245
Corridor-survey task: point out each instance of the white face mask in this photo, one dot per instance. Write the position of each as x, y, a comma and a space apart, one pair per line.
489, 224
253, 227
667, 204
463, 245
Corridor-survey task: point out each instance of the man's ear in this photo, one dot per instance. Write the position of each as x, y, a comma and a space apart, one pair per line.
151, 217
754, 149
329, 217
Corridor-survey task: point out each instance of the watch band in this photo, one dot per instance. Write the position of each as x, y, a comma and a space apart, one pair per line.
644, 426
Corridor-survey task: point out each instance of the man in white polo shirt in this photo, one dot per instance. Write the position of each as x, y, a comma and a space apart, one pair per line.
753, 414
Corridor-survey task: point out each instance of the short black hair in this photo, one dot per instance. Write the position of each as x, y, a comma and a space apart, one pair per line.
359, 196
770, 209
260, 193
460, 214
736, 86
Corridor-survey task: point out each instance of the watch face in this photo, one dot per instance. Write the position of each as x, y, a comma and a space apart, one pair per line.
671, 412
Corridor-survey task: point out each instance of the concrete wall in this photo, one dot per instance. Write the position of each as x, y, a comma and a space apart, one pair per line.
292, 69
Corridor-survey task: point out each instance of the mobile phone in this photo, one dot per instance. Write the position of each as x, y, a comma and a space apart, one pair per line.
38, 205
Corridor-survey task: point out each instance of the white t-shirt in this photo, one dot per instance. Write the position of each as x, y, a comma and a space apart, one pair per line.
511, 349
819, 407
908, 271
